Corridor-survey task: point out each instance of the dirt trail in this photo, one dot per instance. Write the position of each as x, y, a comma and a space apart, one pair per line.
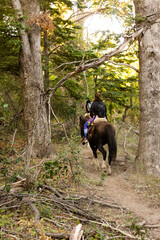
118, 188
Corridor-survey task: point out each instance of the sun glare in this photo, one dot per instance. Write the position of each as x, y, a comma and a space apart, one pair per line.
98, 23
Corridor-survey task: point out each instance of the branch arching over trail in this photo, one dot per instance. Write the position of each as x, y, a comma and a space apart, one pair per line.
83, 67
150, 20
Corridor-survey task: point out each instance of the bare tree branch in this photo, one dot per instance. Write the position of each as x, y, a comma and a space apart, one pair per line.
120, 231
106, 57
60, 124
84, 14
124, 64
13, 139
82, 67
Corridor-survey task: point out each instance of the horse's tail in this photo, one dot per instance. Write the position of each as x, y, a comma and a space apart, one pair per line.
112, 144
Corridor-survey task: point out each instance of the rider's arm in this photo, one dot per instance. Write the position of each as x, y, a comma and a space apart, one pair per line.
92, 110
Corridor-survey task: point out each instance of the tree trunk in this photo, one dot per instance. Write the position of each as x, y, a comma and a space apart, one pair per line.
35, 116
46, 60
149, 56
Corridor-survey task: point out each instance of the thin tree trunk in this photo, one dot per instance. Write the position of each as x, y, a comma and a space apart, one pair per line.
149, 56
35, 116
46, 60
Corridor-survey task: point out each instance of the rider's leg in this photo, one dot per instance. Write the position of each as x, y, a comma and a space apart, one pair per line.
86, 125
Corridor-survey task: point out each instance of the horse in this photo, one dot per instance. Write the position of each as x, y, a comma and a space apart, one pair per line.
99, 134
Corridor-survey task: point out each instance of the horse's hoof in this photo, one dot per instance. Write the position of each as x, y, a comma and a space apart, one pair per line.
84, 142
109, 171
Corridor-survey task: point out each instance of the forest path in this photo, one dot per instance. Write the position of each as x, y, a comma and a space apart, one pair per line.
120, 190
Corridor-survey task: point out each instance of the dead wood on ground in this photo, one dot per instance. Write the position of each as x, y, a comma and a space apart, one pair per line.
69, 205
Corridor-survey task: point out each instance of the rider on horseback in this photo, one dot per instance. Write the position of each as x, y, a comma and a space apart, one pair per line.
98, 109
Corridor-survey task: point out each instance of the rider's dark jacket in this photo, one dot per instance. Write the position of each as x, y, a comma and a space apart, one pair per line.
98, 109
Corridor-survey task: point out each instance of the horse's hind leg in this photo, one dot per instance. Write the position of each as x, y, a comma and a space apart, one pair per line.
94, 149
109, 164
103, 151
95, 160
105, 167
109, 169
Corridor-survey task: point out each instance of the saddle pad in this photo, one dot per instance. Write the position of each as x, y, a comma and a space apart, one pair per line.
96, 120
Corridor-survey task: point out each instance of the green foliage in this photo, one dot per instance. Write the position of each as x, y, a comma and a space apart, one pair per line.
65, 107
5, 218
66, 162
9, 39
10, 103
56, 167
139, 18
5, 161
4, 112
8, 160
118, 85
66, 49
10, 87
103, 176
6, 164
45, 211
138, 229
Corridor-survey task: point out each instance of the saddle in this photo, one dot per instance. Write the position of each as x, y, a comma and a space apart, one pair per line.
92, 126
97, 119
90, 130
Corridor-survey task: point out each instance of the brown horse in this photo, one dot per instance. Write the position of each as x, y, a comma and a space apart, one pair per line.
100, 134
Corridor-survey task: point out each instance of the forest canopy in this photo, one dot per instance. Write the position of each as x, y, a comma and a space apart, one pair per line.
63, 48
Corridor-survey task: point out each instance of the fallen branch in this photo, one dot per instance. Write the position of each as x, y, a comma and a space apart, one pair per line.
152, 226
36, 212
11, 233
79, 198
119, 237
11, 207
15, 186
76, 233
53, 190
106, 224
64, 203
120, 231
57, 235
6, 203
54, 222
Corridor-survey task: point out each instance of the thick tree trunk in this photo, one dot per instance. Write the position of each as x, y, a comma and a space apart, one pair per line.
149, 56
35, 116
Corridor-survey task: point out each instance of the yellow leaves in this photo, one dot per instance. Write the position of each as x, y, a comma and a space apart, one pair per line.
27, 223
30, 225
42, 231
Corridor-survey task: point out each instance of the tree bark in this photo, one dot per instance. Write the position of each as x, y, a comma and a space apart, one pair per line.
46, 60
149, 80
35, 115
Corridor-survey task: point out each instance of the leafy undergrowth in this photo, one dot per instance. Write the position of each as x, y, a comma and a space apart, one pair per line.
57, 197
